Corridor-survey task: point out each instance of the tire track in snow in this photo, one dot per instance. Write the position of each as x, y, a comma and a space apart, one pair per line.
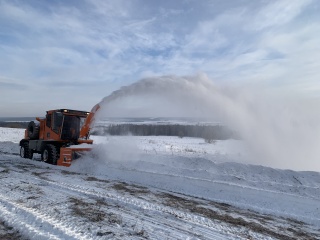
216, 230
34, 223
159, 228
89, 192
208, 228
9, 153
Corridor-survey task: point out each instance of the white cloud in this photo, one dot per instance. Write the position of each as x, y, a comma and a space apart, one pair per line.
114, 43
278, 13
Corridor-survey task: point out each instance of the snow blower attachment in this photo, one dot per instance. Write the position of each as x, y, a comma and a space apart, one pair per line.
60, 137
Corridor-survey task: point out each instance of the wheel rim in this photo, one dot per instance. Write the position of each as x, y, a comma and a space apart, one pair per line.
22, 152
45, 155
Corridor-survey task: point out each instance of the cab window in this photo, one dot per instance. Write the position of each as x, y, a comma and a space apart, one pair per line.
48, 120
57, 121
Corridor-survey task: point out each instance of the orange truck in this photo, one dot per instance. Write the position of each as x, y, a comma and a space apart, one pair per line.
60, 137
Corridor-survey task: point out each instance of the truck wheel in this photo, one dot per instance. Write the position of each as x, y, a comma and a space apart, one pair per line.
25, 151
49, 154
33, 130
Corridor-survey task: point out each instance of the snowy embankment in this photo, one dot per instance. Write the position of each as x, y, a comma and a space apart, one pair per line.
154, 187
193, 167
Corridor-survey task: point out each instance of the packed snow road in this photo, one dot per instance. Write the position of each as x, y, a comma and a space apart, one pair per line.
170, 194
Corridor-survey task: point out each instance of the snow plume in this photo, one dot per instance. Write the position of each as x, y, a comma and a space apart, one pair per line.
280, 132
167, 96
106, 153
119, 149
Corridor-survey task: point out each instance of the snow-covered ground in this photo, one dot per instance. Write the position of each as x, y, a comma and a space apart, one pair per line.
154, 188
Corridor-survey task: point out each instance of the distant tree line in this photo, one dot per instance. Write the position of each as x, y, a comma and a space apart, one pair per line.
14, 124
208, 132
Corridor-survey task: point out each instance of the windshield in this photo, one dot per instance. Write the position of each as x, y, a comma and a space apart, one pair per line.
71, 128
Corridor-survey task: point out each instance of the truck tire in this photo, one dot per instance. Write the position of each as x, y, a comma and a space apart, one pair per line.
33, 130
49, 154
25, 151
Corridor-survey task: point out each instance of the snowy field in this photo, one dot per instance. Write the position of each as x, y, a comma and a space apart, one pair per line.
154, 188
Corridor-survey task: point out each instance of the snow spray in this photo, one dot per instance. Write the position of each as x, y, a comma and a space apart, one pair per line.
280, 132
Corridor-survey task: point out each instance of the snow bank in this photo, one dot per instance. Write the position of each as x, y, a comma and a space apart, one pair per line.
11, 134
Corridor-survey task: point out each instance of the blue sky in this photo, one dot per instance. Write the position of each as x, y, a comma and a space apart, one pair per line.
71, 54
